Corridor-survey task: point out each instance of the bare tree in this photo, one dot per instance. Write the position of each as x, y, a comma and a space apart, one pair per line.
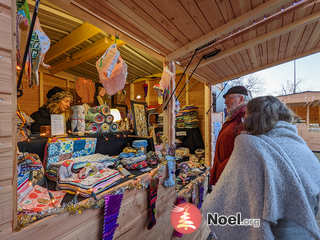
253, 82
290, 87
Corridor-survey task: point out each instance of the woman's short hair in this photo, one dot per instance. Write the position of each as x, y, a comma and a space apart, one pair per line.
263, 113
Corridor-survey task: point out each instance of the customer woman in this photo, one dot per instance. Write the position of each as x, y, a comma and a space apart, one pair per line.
271, 183
58, 103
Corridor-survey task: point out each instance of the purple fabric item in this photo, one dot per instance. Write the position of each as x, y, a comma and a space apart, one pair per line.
201, 190
111, 213
176, 233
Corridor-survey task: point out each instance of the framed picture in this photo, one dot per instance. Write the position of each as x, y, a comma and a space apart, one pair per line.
123, 109
139, 118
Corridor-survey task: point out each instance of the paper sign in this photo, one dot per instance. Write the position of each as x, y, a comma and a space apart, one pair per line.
57, 124
181, 133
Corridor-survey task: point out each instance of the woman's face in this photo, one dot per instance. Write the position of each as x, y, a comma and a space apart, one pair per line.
64, 104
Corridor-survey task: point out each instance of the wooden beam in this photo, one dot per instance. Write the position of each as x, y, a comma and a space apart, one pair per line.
195, 75
242, 20
143, 57
208, 125
263, 38
95, 20
83, 55
251, 30
54, 11
131, 16
158, 75
303, 54
79, 35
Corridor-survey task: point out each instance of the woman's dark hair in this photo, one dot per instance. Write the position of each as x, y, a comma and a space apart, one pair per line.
264, 113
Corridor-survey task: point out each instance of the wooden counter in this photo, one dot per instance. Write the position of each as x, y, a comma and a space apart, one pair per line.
133, 219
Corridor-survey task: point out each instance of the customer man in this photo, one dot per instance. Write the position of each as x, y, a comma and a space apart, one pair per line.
236, 100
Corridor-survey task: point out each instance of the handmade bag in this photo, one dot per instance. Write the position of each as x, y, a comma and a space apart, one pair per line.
112, 70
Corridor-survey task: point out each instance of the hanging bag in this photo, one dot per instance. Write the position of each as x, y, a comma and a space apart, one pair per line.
112, 70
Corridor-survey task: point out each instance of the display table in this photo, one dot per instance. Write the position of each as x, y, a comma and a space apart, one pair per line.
190, 137
107, 143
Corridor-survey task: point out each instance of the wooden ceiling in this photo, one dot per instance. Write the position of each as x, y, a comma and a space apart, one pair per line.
251, 34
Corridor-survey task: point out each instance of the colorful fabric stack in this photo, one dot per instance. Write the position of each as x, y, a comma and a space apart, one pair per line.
30, 162
140, 145
94, 177
160, 119
81, 162
60, 149
99, 119
179, 120
187, 117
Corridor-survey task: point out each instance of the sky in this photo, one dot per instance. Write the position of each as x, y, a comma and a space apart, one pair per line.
307, 68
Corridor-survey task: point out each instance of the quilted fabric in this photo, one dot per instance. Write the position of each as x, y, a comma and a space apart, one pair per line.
60, 149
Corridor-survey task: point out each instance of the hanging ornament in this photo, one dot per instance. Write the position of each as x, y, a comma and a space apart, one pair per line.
85, 89
153, 199
145, 88
111, 213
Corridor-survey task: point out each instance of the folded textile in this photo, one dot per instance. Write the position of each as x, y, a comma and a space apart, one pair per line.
38, 200
105, 128
94, 177
95, 117
93, 127
131, 160
105, 110
78, 119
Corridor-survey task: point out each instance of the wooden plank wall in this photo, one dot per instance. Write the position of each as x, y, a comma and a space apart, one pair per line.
30, 101
314, 116
8, 117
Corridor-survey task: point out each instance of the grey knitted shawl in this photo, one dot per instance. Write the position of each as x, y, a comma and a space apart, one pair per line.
268, 177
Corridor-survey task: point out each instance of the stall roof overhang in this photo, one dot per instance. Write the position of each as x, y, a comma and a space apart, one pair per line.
251, 34
303, 99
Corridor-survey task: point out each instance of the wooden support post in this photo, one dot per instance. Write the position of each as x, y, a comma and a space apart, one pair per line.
187, 93
308, 117
147, 99
208, 138
68, 85
41, 87
131, 91
169, 114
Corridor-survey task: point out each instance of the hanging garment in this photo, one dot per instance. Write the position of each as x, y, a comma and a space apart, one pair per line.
85, 89
22, 25
112, 70
35, 59
44, 42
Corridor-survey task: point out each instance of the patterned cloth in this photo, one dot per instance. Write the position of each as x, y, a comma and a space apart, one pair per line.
78, 119
60, 149
93, 177
38, 200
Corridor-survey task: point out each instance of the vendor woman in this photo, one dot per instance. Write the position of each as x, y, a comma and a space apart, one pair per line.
58, 103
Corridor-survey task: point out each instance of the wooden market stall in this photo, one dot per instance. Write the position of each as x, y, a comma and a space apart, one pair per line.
306, 106
243, 37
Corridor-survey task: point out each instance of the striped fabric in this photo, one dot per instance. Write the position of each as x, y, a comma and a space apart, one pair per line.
85, 89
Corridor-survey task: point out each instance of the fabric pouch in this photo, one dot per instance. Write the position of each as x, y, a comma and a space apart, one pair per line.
112, 70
